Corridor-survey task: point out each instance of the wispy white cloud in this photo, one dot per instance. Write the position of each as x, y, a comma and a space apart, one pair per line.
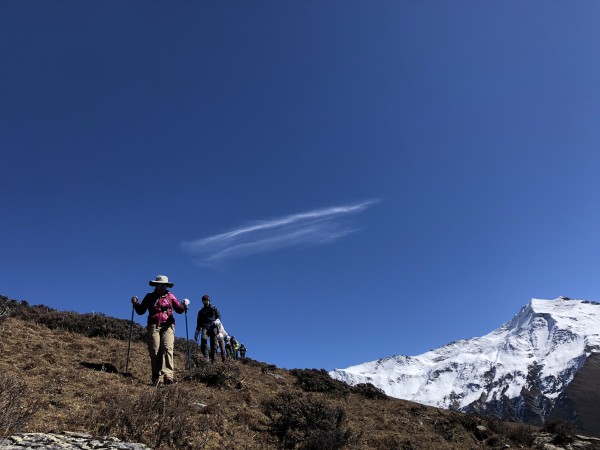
316, 227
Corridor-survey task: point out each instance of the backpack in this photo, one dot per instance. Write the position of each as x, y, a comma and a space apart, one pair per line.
158, 308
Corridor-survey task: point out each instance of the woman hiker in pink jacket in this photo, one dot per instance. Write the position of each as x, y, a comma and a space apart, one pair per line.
160, 336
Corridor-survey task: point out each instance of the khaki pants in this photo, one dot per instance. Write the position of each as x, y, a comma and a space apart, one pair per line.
161, 341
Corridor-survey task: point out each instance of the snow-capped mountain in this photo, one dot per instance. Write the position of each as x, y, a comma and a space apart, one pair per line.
518, 371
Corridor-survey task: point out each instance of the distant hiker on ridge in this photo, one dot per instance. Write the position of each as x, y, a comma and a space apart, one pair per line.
161, 327
235, 346
228, 349
205, 325
221, 334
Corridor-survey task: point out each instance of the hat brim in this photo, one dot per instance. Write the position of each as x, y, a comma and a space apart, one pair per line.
156, 283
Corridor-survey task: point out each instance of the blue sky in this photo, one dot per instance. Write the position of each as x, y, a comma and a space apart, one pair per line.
347, 180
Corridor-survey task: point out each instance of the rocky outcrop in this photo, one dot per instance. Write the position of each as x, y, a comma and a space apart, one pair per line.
65, 441
550, 441
579, 402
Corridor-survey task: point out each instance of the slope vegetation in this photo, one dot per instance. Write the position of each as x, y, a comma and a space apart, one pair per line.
65, 372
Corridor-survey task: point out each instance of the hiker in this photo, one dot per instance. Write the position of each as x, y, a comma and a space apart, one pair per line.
242, 351
235, 346
221, 333
205, 327
160, 335
228, 349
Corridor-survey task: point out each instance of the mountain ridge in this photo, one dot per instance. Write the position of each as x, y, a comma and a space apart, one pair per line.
517, 371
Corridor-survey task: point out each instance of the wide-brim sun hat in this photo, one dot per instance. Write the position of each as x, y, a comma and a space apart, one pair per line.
161, 279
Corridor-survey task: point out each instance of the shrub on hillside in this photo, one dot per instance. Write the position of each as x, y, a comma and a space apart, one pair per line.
562, 430
221, 376
89, 324
301, 421
7, 308
182, 346
17, 404
4, 313
452, 428
264, 367
516, 432
314, 380
370, 391
159, 418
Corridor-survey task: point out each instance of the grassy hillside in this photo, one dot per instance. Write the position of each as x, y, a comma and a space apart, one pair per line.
64, 372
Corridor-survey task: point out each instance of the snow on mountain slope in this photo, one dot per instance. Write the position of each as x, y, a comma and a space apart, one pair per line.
538, 351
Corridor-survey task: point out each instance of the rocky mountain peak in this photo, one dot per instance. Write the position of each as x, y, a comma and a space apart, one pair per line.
517, 371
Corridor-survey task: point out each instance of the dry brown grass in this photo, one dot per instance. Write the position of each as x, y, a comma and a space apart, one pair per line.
239, 405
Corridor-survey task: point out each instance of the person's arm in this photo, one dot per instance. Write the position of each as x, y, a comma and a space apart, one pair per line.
177, 305
198, 325
217, 314
142, 307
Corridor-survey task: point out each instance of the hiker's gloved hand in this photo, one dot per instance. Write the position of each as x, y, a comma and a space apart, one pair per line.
134, 300
186, 303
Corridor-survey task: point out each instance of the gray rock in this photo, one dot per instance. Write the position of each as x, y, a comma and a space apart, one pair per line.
66, 441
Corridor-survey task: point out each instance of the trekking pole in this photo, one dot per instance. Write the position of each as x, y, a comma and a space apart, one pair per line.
129, 344
186, 302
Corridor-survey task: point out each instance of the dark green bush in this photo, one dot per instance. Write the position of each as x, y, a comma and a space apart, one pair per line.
562, 430
221, 376
264, 367
314, 380
89, 324
5, 311
519, 433
369, 391
301, 421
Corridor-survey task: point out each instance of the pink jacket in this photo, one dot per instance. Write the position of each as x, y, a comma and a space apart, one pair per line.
160, 309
